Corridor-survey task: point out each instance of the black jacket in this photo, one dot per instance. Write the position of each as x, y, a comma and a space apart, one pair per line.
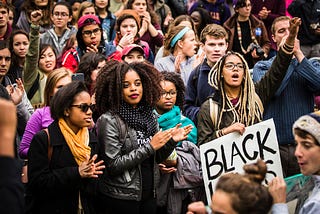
54, 185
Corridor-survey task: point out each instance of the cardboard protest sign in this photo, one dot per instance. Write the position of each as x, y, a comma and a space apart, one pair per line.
230, 152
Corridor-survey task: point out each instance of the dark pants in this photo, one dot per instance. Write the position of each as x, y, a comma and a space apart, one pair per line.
118, 206
288, 160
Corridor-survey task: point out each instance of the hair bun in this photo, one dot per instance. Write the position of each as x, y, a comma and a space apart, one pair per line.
256, 171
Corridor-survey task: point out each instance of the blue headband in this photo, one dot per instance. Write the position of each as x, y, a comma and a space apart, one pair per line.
179, 36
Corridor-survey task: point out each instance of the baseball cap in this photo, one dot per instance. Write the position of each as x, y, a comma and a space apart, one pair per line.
127, 49
88, 20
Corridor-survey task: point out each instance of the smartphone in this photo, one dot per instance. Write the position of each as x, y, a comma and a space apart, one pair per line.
77, 77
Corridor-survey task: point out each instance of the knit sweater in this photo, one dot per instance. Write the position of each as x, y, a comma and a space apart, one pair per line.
294, 98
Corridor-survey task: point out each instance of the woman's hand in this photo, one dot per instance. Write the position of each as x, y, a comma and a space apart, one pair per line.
181, 133
277, 189
126, 40
35, 17
90, 169
160, 139
166, 170
236, 127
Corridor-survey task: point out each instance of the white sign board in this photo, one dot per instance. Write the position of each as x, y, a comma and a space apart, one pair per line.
230, 152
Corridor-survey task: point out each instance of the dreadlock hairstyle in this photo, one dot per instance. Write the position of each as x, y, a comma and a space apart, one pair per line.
178, 82
250, 108
109, 95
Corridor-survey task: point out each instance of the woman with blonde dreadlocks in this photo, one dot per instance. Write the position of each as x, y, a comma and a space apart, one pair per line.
237, 102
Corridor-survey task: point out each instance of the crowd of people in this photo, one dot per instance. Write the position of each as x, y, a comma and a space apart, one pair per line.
105, 103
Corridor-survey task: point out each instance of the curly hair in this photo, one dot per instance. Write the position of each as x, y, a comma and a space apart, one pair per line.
250, 105
109, 87
178, 82
248, 195
88, 63
205, 19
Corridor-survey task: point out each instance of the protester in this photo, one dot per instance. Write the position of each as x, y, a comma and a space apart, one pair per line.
127, 28
5, 27
62, 160
248, 35
25, 17
107, 19
218, 9
182, 20
11, 187
86, 8
237, 102
90, 37
175, 182
214, 43
38, 63
58, 35
302, 81
179, 51
90, 65
126, 95
201, 18
70, 57
239, 194
268, 11
133, 53
41, 118
19, 45
150, 29
306, 131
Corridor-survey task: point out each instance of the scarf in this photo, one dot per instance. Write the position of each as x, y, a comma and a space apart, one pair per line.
78, 143
139, 118
173, 117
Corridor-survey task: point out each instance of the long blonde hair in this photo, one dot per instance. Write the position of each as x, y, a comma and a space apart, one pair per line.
249, 105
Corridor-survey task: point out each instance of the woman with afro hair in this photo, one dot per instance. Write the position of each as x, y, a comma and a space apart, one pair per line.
128, 131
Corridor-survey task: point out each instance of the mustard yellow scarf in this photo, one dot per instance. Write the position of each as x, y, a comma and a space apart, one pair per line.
78, 143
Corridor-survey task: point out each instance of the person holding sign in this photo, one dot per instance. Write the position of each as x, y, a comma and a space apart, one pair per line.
306, 132
239, 194
237, 102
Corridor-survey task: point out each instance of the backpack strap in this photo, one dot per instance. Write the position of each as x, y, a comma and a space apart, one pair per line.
49, 145
213, 112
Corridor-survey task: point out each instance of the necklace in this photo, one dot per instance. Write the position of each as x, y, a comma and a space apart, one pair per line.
240, 36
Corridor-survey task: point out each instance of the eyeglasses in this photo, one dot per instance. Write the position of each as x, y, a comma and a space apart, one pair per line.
84, 107
6, 58
171, 93
231, 66
88, 33
62, 14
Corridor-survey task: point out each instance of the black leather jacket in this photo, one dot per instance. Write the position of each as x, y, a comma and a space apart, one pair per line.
123, 158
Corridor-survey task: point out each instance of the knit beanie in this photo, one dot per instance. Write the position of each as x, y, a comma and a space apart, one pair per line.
309, 123
128, 14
